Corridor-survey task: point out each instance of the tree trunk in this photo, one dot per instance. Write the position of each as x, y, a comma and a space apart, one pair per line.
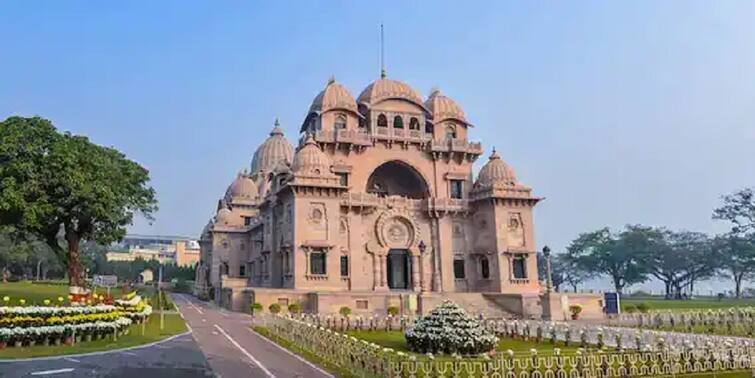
618, 285
75, 276
738, 285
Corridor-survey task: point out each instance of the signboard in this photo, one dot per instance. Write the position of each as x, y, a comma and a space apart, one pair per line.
105, 281
612, 303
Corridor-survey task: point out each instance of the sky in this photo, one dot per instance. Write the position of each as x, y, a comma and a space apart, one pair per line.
634, 112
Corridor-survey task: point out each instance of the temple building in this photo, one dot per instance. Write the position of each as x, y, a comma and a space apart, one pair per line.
376, 206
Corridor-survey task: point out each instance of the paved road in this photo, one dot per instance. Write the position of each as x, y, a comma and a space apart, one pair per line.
178, 357
233, 350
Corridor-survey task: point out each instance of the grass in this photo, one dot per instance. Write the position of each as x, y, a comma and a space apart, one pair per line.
36, 293
656, 303
174, 325
311, 357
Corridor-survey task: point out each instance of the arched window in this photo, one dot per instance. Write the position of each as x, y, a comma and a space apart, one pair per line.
340, 122
429, 128
414, 124
450, 132
382, 121
398, 122
485, 268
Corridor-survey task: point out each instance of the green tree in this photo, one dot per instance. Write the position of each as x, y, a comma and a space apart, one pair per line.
737, 256
58, 185
564, 271
739, 210
678, 259
620, 256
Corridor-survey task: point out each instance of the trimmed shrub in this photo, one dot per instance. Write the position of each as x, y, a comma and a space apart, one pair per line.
294, 308
449, 329
257, 307
393, 310
345, 311
274, 308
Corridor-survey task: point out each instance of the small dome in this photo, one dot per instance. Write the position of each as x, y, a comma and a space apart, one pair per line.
495, 171
224, 217
310, 160
385, 89
276, 148
443, 107
243, 187
334, 96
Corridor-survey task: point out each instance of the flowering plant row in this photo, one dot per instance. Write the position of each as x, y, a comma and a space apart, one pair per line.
731, 321
47, 311
32, 335
36, 321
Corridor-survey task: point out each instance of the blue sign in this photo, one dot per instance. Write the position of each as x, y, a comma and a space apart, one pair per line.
612, 303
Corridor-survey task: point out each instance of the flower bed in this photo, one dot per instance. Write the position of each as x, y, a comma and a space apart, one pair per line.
43, 325
735, 321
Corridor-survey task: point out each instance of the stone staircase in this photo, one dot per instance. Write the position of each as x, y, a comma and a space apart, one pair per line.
476, 304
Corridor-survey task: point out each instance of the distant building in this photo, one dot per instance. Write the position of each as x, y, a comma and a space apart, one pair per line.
178, 250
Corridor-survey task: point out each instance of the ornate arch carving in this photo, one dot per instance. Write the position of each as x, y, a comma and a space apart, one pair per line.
397, 229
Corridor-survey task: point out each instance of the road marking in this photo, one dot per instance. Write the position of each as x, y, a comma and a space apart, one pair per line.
264, 369
196, 308
189, 328
48, 372
71, 359
130, 354
313, 366
204, 320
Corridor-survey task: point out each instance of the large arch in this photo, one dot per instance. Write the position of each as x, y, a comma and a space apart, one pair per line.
397, 178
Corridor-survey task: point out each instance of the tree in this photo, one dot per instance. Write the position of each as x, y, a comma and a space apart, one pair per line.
680, 258
739, 209
737, 255
58, 185
564, 271
620, 256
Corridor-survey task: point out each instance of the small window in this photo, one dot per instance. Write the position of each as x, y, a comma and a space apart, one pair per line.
317, 263
414, 124
485, 267
382, 121
520, 267
343, 179
450, 132
459, 269
242, 270
429, 129
362, 304
247, 221
398, 122
344, 266
456, 188
340, 122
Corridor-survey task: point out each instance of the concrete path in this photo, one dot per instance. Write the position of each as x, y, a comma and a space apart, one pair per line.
233, 350
177, 357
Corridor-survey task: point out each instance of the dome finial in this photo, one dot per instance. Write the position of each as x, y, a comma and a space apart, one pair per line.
276, 128
382, 52
331, 80
494, 155
434, 91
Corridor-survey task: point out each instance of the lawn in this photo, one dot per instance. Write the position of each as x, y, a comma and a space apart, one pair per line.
174, 325
35, 294
656, 303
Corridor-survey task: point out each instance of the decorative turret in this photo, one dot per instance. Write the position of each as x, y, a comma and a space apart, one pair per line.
275, 149
242, 188
444, 108
495, 173
311, 161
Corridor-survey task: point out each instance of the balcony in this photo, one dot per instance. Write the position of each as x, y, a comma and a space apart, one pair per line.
357, 137
405, 135
456, 146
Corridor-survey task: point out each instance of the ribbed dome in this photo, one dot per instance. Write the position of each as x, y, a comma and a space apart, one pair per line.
224, 217
384, 89
310, 160
443, 107
276, 148
243, 187
495, 171
334, 96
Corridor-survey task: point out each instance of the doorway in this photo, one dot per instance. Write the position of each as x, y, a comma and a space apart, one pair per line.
399, 269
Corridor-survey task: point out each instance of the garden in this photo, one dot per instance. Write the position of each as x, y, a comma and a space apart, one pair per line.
40, 319
448, 342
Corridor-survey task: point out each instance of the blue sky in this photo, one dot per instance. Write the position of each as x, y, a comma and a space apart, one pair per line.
631, 112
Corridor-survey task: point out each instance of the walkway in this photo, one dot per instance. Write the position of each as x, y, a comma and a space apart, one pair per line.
233, 350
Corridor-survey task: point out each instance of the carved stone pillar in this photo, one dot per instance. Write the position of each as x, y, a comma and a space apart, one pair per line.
383, 279
375, 272
415, 272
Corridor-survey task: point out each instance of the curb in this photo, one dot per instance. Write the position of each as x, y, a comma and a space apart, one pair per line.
101, 352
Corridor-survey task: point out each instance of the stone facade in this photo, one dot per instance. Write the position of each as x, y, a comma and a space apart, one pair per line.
376, 207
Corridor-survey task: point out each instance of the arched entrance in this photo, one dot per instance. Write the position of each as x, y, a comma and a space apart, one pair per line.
399, 269
396, 178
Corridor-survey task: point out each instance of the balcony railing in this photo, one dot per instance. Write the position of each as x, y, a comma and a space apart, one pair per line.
456, 145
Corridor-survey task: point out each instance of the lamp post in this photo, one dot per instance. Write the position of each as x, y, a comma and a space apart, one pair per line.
548, 280
422, 248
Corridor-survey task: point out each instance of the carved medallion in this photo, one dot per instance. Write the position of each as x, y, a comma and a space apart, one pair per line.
396, 229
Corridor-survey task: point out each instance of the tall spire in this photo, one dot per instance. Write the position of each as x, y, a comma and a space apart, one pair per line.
382, 52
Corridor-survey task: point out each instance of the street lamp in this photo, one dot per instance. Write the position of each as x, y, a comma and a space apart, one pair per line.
548, 280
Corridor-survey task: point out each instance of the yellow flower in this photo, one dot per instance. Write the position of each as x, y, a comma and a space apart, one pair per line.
101, 297
70, 297
60, 299
22, 301
47, 302
6, 298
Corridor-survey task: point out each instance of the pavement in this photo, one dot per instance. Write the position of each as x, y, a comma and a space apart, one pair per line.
219, 344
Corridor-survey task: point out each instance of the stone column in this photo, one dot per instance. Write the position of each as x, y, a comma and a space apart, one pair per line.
375, 272
383, 280
415, 273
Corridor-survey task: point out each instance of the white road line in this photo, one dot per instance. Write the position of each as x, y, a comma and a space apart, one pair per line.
189, 328
130, 354
48, 372
262, 367
196, 308
71, 359
313, 366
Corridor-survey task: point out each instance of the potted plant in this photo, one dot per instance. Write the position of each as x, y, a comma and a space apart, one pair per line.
575, 311
274, 308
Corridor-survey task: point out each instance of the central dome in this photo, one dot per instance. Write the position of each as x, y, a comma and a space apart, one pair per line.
274, 150
386, 89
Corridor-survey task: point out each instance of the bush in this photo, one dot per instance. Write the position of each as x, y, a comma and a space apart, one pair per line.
630, 309
345, 311
643, 307
256, 307
393, 310
575, 309
449, 329
294, 308
274, 308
